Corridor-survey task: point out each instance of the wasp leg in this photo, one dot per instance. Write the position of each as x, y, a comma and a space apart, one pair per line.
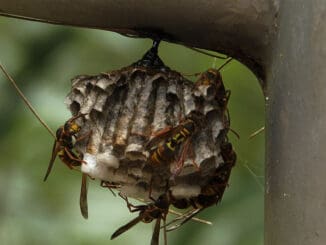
156, 232
192, 156
189, 217
180, 217
109, 186
132, 208
72, 156
75, 117
164, 230
80, 138
226, 118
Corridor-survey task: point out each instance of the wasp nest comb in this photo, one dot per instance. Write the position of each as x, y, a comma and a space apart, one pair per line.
151, 128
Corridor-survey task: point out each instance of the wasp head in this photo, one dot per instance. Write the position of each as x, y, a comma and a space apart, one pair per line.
210, 76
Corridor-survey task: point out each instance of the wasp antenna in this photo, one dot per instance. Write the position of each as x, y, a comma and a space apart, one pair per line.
225, 63
29, 105
208, 53
214, 64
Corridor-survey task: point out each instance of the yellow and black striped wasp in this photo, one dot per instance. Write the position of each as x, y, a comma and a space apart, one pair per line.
63, 148
176, 143
63, 145
147, 213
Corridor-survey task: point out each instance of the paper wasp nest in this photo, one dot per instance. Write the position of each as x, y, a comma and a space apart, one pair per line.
124, 110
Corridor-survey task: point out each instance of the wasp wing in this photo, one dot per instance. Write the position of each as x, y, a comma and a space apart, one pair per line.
83, 197
55, 150
126, 227
160, 136
156, 232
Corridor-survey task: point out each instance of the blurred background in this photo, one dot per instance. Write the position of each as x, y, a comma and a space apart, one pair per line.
43, 58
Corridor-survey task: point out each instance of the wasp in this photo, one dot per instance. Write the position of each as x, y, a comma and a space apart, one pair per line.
157, 210
212, 77
212, 192
63, 144
219, 181
178, 140
63, 148
199, 203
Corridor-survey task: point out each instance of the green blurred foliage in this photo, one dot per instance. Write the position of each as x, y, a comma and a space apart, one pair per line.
43, 58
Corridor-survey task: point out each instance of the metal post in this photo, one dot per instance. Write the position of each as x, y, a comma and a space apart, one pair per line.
296, 127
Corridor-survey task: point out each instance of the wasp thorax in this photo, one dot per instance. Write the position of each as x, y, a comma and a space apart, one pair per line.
74, 128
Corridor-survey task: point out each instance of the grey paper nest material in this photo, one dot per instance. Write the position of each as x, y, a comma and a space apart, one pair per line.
125, 108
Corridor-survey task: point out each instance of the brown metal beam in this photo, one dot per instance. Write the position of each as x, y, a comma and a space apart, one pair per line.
214, 25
